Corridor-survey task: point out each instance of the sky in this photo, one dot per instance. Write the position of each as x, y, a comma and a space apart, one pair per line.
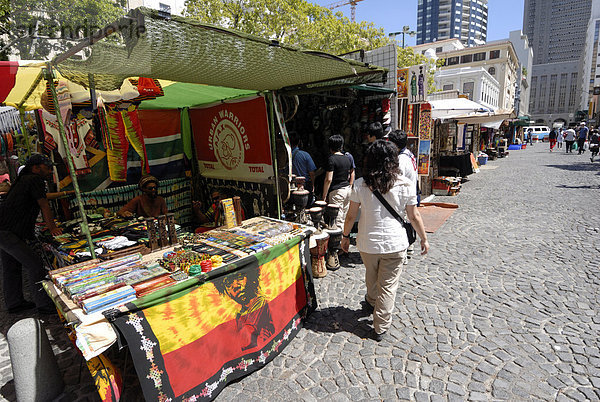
503, 16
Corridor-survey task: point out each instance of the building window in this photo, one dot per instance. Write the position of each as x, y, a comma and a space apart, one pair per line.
492, 71
532, 94
165, 8
495, 54
562, 92
450, 61
552, 97
542, 102
468, 88
438, 49
479, 56
573, 91
448, 87
467, 58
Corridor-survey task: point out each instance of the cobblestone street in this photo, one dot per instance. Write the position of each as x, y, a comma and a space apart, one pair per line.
506, 306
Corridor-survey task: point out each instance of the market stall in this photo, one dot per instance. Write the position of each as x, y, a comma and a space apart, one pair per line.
231, 335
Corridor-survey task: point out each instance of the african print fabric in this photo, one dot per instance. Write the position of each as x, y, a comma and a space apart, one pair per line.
192, 339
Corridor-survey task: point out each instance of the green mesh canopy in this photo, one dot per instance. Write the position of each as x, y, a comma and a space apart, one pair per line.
181, 49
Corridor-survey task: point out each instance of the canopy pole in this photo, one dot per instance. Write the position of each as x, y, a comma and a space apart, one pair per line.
24, 130
61, 128
93, 99
274, 151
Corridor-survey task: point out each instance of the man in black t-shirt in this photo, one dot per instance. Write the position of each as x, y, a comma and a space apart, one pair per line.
339, 171
18, 214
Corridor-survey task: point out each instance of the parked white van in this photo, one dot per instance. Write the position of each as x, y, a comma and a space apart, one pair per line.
538, 132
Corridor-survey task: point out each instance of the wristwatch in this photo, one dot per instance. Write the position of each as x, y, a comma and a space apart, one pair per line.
345, 236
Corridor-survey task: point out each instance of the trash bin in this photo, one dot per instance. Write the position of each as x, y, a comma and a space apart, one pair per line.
482, 159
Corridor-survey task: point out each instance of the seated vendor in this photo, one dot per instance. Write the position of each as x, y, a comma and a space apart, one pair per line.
208, 217
149, 204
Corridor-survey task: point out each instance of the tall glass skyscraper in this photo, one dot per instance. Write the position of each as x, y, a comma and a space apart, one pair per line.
445, 19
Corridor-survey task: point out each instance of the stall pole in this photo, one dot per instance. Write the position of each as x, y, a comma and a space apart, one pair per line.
61, 128
274, 151
24, 130
93, 99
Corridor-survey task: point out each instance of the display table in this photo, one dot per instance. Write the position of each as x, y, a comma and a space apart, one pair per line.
189, 340
461, 164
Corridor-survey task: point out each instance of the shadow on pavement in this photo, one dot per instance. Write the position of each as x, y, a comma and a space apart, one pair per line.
339, 319
579, 187
578, 167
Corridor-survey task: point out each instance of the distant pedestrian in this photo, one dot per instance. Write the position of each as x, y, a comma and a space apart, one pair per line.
569, 140
560, 138
529, 138
382, 240
582, 137
552, 138
594, 144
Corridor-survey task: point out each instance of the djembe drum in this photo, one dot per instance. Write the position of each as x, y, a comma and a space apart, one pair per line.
300, 181
330, 215
316, 213
317, 253
333, 246
299, 199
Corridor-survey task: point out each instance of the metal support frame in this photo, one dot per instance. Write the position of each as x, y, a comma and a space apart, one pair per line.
274, 151
49, 75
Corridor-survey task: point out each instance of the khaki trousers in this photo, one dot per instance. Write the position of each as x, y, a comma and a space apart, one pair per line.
341, 198
381, 277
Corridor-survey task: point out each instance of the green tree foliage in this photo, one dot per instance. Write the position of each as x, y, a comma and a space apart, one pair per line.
292, 22
407, 57
33, 29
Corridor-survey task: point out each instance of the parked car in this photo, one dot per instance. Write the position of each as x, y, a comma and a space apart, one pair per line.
539, 133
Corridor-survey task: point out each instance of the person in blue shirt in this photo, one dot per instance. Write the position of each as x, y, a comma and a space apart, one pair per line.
302, 163
582, 137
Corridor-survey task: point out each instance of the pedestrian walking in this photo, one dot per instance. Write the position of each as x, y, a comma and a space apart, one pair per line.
382, 239
560, 138
552, 138
569, 140
594, 144
529, 138
582, 137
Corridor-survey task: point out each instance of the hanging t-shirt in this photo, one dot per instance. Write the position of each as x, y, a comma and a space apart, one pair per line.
76, 132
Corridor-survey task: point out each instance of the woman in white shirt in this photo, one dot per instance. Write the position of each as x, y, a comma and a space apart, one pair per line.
381, 239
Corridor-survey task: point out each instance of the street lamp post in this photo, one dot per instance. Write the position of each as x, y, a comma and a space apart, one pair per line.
405, 31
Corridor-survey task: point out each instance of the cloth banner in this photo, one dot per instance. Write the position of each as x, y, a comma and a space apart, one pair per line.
161, 130
232, 140
402, 83
423, 157
190, 340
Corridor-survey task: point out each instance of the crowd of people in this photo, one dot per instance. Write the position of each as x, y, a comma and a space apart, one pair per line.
390, 170
578, 138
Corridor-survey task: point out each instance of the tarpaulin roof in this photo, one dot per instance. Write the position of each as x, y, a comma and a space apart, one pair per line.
184, 50
16, 79
450, 108
180, 95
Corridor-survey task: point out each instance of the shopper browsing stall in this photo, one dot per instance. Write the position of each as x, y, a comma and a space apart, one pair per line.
149, 204
18, 214
336, 189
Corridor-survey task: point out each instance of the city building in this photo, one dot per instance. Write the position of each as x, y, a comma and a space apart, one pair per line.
170, 6
498, 59
590, 77
444, 19
525, 55
556, 32
474, 82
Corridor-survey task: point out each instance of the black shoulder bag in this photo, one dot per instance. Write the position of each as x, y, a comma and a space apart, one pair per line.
411, 233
